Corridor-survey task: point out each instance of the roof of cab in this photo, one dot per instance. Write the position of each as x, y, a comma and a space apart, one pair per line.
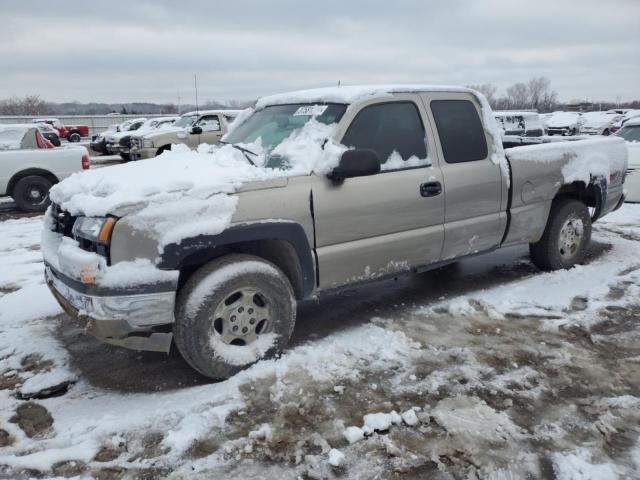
352, 93
211, 112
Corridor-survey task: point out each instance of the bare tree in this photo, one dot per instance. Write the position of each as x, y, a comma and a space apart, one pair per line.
518, 95
541, 96
488, 90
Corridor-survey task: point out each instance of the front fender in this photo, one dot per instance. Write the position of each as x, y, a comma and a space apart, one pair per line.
174, 255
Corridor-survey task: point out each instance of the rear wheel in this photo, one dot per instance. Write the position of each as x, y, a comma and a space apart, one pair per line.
232, 312
31, 193
74, 137
566, 236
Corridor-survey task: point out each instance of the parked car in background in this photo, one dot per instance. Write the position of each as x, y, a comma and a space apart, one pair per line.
28, 167
523, 124
191, 129
49, 133
628, 115
111, 140
599, 123
153, 124
631, 133
564, 123
315, 190
73, 133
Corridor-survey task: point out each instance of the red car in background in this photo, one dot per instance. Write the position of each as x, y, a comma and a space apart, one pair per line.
73, 133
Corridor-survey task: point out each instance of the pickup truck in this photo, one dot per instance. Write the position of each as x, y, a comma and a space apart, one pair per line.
313, 191
122, 144
564, 123
29, 167
191, 129
73, 133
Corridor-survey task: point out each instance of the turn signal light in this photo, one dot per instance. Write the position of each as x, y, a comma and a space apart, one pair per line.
85, 162
107, 229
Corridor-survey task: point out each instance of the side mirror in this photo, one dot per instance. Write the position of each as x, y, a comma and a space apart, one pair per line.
356, 163
196, 130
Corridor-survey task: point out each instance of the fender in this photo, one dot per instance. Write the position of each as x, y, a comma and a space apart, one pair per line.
175, 254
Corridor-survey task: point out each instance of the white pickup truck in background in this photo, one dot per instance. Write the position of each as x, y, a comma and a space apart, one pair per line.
29, 168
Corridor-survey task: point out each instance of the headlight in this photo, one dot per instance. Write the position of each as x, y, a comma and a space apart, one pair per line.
147, 143
95, 229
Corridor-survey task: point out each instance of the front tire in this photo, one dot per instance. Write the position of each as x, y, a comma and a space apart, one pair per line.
232, 312
74, 137
125, 157
566, 237
31, 193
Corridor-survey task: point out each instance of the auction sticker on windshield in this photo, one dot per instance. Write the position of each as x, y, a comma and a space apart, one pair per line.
313, 110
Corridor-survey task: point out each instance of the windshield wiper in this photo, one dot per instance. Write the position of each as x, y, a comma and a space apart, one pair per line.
243, 150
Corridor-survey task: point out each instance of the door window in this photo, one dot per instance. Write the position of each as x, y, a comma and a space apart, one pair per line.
460, 130
209, 123
393, 130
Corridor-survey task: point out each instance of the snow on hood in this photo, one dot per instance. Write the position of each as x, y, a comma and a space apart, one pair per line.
171, 194
598, 119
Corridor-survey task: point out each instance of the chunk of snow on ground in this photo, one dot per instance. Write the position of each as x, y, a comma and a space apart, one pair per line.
336, 457
410, 418
381, 421
580, 466
353, 434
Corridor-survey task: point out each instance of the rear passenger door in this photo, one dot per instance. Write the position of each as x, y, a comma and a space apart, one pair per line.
473, 182
372, 226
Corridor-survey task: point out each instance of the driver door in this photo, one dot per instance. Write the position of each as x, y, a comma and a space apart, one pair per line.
372, 226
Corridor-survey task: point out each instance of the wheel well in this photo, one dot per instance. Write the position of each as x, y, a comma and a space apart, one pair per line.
590, 195
279, 252
25, 173
163, 148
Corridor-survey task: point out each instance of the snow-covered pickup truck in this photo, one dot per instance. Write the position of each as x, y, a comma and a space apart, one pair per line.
28, 167
312, 191
191, 129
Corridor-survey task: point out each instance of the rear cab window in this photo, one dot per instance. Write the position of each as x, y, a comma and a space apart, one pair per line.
394, 130
460, 130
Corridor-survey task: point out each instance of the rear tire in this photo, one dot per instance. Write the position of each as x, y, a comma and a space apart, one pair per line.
232, 312
566, 237
74, 137
31, 193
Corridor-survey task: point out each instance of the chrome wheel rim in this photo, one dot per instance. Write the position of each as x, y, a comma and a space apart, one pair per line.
571, 234
242, 317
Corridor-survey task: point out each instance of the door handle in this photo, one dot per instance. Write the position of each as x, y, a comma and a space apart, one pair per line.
430, 189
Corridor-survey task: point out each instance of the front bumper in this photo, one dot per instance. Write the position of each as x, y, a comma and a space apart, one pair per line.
138, 318
143, 153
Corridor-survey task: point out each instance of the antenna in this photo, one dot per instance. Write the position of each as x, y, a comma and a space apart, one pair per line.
338, 82
195, 83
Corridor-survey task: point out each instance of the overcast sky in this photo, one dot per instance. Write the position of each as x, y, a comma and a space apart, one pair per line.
142, 50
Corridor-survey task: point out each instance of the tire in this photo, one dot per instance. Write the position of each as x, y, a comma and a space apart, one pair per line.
31, 193
163, 149
228, 293
606, 133
125, 157
566, 237
74, 137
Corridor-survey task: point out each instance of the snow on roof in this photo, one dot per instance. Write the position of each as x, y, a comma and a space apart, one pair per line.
510, 113
210, 112
11, 135
352, 93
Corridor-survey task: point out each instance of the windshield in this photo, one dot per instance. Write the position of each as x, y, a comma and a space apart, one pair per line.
630, 133
185, 121
274, 123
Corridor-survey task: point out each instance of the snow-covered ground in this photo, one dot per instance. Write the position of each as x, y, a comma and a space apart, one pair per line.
532, 376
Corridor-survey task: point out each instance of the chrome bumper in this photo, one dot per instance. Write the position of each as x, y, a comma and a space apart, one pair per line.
137, 318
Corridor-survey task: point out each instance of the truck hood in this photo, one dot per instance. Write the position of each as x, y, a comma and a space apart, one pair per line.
160, 132
180, 174
185, 193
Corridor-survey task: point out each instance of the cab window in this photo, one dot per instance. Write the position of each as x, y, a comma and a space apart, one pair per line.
393, 130
460, 130
209, 123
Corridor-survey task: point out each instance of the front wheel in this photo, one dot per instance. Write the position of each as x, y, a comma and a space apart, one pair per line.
566, 237
232, 312
31, 193
125, 157
74, 137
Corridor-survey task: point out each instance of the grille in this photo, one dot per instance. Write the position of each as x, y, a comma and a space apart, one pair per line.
633, 171
62, 220
135, 142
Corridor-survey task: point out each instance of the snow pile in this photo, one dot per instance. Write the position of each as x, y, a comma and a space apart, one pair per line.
582, 159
